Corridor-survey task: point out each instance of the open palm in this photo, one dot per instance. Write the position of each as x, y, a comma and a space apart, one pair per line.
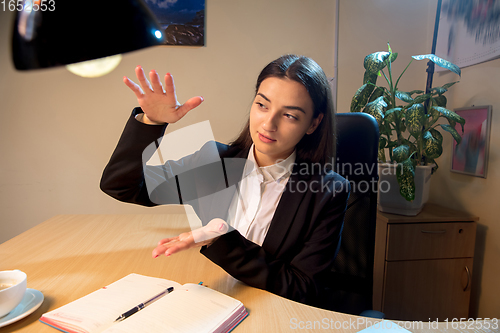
159, 104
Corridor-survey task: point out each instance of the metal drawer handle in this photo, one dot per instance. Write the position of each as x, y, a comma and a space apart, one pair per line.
433, 231
468, 277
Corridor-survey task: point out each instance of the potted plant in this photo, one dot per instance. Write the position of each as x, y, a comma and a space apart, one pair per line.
410, 137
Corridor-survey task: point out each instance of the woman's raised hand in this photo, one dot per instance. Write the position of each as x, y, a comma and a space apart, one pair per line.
159, 104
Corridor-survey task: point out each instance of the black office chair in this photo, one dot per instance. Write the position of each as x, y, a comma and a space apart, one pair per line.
351, 285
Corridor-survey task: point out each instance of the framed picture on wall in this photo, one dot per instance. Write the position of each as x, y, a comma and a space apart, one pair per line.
471, 155
466, 34
183, 21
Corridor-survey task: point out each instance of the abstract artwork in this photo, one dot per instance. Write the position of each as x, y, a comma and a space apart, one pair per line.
471, 155
469, 31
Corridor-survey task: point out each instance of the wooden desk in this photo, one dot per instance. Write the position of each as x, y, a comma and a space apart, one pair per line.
69, 256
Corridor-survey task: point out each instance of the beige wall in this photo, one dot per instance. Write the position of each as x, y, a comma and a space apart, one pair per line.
366, 27
479, 85
57, 130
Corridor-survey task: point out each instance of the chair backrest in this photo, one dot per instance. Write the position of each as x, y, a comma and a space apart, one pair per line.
356, 160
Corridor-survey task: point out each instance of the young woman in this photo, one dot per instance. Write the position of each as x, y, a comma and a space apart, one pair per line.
287, 242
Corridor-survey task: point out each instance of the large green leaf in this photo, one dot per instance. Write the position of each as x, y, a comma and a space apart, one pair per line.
400, 153
415, 119
432, 146
361, 97
416, 92
439, 90
405, 174
448, 85
453, 132
435, 114
379, 91
440, 62
369, 77
422, 98
404, 96
436, 135
391, 114
440, 101
450, 115
375, 61
376, 109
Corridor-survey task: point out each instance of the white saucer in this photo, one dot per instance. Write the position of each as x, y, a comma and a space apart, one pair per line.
31, 301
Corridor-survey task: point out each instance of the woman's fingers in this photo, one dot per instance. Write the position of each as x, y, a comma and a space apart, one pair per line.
177, 247
143, 81
167, 240
169, 246
198, 237
155, 82
170, 86
159, 250
189, 105
134, 87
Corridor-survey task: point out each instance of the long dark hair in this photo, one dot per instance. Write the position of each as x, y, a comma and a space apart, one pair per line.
319, 146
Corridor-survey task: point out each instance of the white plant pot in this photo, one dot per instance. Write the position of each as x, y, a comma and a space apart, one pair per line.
389, 198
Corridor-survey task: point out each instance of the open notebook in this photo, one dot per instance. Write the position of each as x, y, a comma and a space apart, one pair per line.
189, 308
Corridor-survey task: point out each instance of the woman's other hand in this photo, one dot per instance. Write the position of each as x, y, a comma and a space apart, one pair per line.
168, 246
197, 238
159, 104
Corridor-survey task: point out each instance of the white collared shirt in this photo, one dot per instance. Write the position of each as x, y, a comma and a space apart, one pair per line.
258, 195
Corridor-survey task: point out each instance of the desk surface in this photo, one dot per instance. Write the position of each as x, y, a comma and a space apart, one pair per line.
69, 256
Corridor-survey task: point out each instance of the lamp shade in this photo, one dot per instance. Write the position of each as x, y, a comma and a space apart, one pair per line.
65, 32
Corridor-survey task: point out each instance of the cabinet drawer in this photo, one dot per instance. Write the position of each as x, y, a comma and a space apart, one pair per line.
428, 290
414, 241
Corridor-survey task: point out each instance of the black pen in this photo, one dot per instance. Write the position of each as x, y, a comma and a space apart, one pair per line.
143, 305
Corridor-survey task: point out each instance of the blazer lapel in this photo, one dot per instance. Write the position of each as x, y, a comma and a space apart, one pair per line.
284, 215
232, 167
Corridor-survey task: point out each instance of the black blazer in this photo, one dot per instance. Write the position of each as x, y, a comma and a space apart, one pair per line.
304, 234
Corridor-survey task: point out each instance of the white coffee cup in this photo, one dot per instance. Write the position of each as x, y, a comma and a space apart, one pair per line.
12, 289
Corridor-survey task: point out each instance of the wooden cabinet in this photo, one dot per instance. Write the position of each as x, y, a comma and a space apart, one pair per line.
423, 264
